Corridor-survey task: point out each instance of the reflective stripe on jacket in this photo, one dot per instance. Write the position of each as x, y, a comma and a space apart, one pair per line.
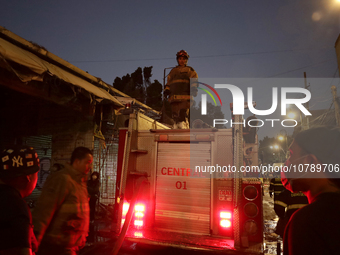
276, 186
287, 203
179, 80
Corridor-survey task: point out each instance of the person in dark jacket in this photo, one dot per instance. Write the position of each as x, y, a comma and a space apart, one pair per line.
275, 187
61, 216
315, 228
285, 205
19, 166
93, 186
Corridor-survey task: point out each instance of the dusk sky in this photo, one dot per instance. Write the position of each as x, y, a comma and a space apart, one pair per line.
225, 38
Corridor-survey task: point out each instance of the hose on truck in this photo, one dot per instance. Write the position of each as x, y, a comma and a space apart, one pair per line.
140, 182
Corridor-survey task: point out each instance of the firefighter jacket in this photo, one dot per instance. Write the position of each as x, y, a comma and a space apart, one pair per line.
179, 80
61, 216
287, 203
276, 186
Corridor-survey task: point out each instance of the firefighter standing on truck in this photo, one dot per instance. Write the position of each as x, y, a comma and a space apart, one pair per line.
179, 90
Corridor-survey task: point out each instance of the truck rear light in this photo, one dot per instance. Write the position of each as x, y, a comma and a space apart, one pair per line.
251, 219
250, 227
139, 208
126, 206
251, 210
225, 219
138, 223
225, 223
138, 234
250, 193
139, 215
225, 215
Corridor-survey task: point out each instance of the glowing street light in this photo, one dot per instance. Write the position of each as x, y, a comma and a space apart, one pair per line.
279, 149
292, 115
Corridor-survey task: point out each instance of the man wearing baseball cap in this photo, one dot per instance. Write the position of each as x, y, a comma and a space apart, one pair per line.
314, 165
19, 166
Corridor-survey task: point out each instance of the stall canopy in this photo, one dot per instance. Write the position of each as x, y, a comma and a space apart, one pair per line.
39, 67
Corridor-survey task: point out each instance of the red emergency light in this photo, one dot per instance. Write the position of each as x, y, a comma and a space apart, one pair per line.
139, 215
225, 215
126, 206
225, 219
139, 208
225, 223
139, 223
138, 234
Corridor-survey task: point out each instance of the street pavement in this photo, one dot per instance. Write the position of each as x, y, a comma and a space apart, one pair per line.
270, 220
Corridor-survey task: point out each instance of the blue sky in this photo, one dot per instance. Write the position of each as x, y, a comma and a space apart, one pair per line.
224, 38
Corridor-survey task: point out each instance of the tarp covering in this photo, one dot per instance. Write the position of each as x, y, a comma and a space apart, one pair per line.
9, 51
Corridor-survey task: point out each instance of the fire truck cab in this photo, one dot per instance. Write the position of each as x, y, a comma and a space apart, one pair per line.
183, 188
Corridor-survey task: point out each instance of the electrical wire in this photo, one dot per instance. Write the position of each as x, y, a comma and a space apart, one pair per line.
293, 70
297, 69
208, 56
324, 98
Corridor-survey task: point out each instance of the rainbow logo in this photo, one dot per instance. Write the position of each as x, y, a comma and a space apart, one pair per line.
209, 93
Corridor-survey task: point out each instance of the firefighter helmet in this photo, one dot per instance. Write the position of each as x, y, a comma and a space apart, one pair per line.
182, 53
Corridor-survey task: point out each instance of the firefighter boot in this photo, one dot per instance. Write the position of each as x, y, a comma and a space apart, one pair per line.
176, 121
183, 119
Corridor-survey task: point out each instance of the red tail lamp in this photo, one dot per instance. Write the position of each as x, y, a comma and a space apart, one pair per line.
126, 206
225, 219
139, 215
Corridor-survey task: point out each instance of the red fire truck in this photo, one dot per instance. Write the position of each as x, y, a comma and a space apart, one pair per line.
174, 188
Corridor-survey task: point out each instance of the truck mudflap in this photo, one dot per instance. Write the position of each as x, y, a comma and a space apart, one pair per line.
190, 241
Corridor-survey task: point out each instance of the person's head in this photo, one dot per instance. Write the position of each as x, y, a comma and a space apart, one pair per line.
95, 176
19, 166
81, 159
316, 147
182, 58
56, 167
